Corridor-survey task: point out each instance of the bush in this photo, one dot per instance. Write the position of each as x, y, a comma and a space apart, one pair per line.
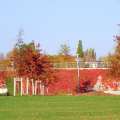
9, 83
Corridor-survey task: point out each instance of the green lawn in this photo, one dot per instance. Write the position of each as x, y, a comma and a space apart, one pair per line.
60, 108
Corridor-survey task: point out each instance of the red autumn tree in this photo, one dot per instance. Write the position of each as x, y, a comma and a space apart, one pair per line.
29, 61
115, 60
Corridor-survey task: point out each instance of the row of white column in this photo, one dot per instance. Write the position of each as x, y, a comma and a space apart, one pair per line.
35, 85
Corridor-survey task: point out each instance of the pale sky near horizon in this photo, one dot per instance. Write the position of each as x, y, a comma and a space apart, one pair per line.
52, 22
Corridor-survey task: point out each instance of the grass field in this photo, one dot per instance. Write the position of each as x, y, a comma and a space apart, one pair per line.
60, 108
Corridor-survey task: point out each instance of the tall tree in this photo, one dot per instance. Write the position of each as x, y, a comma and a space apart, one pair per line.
90, 55
79, 51
30, 62
1, 56
64, 49
114, 59
64, 54
20, 41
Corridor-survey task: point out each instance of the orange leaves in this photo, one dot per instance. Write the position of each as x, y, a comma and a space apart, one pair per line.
31, 63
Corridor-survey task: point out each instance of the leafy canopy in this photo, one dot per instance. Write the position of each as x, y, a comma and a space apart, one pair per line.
30, 62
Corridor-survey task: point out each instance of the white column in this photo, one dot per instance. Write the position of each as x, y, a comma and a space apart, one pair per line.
32, 87
42, 89
14, 86
35, 87
78, 69
27, 86
21, 80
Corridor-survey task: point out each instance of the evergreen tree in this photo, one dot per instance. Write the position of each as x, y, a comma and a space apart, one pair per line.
80, 49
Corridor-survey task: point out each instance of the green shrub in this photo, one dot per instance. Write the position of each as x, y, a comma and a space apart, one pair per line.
9, 83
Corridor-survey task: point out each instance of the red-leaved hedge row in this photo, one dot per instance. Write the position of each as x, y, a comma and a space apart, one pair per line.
67, 80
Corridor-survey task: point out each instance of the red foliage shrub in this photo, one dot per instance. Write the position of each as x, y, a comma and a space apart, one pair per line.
67, 80
2, 77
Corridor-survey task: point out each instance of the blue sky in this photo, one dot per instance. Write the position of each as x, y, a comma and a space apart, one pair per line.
53, 22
